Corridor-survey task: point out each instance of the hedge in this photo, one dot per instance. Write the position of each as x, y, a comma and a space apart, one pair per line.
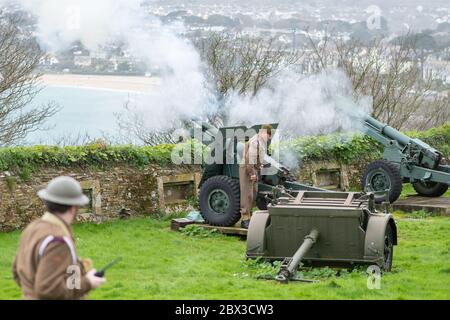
339, 147
26, 159
439, 138
347, 149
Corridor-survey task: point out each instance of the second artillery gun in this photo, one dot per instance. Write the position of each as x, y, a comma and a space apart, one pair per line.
404, 160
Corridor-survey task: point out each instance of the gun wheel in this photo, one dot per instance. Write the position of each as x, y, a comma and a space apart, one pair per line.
220, 203
388, 248
382, 175
430, 189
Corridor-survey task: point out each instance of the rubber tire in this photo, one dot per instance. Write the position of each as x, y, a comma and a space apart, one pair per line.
231, 188
437, 190
389, 237
394, 175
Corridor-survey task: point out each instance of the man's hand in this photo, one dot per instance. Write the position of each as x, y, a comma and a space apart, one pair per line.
254, 178
93, 280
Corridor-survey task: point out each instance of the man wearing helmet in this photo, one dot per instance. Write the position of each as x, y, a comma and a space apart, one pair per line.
249, 170
46, 265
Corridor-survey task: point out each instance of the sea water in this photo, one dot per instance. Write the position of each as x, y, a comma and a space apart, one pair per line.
83, 111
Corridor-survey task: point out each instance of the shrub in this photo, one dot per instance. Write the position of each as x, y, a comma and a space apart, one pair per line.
346, 148
343, 148
24, 160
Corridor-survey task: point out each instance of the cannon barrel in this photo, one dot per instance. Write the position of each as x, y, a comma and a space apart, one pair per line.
388, 131
289, 270
424, 154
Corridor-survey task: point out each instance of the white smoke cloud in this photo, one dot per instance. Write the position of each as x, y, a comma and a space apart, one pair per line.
303, 105
61, 22
182, 93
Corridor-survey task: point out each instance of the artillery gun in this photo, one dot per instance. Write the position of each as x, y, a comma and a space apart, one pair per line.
322, 228
404, 160
219, 187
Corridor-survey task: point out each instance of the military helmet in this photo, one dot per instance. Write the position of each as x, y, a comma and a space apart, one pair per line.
64, 190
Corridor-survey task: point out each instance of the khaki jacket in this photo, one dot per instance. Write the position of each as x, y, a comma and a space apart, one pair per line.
253, 157
254, 152
45, 252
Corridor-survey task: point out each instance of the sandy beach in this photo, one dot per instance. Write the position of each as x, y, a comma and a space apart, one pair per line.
123, 83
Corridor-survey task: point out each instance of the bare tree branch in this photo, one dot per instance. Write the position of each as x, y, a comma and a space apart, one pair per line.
243, 64
19, 83
389, 73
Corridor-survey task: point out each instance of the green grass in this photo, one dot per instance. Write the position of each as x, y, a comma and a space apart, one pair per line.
162, 264
408, 190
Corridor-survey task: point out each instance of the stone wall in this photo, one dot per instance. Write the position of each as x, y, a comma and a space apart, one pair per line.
331, 175
122, 191
115, 192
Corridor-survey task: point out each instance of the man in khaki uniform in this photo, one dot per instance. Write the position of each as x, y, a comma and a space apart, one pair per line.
46, 265
249, 169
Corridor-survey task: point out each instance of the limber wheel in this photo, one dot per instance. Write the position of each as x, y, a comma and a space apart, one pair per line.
220, 201
382, 175
430, 189
388, 248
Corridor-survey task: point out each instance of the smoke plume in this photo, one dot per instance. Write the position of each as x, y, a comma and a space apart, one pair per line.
182, 93
302, 105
